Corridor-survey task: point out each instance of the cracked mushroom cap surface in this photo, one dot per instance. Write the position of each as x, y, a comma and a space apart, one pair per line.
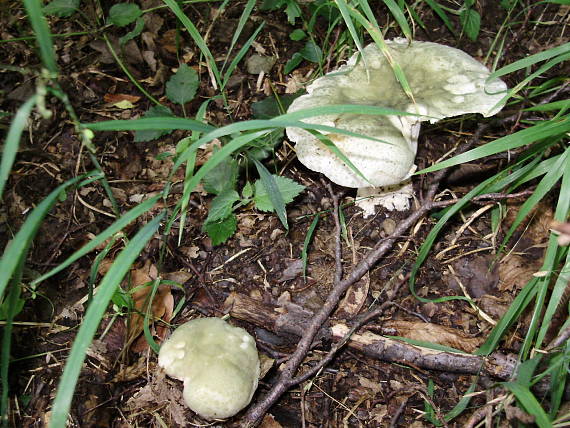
445, 82
218, 364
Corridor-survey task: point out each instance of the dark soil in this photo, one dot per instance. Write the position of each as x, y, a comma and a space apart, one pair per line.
262, 259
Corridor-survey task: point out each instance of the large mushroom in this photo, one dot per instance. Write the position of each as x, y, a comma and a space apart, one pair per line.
218, 364
445, 82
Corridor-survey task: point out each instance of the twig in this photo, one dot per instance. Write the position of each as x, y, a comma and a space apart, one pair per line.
338, 243
358, 322
484, 199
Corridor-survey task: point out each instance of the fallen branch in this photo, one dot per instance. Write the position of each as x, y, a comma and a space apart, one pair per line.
292, 321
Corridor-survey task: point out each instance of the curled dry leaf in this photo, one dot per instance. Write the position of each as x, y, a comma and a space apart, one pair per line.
117, 98
161, 307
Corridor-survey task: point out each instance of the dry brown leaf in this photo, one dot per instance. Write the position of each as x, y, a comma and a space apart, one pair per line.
162, 306
564, 230
117, 98
515, 271
269, 422
536, 226
369, 384
354, 299
428, 332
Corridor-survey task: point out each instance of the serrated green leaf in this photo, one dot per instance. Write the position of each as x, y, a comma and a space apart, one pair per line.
221, 178
471, 22
62, 8
123, 14
288, 188
222, 205
182, 87
149, 135
247, 191
220, 231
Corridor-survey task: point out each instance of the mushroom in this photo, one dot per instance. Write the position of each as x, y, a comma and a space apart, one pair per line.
218, 364
445, 82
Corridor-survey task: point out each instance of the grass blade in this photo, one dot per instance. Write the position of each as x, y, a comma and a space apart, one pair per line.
530, 404
520, 303
150, 124
241, 24
195, 34
12, 309
13, 140
95, 312
531, 60
343, 9
240, 55
544, 186
399, 17
307, 242
442, 15
509, 142
42, 34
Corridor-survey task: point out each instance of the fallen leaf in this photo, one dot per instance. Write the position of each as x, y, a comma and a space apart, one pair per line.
564, 230
117, 98
354, 299
434, 333
269, 422
161, 307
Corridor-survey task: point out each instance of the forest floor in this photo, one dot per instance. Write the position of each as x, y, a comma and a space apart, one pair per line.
120, 384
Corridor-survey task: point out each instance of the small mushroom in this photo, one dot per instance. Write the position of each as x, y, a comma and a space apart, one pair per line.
445, 82
218, 364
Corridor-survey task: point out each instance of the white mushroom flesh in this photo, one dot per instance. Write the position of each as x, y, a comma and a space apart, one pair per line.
218, 364
445, 82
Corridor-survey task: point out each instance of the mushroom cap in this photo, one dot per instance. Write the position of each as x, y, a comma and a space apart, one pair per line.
218, 363
445, 82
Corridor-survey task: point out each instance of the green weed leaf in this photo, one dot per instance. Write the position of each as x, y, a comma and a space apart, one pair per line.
149, 135
297, 35
220, 231
182, 87
123, 14
247, 191
311, 52
288, 189
293, 63
222, 205
139, 26
222, 178
62, 8
471, 22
